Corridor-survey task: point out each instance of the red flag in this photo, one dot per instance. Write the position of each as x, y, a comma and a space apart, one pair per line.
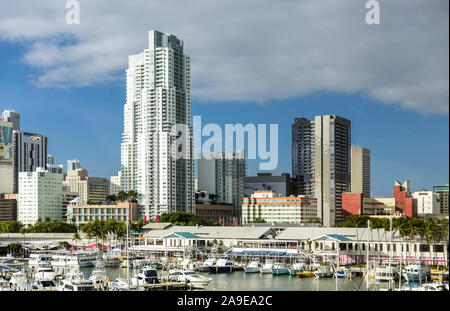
157, 218
245, 221
145, 219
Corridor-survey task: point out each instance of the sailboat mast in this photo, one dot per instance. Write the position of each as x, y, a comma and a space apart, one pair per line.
367, 256
126, 245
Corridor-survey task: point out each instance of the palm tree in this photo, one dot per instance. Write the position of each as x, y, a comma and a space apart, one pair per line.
428, 231
76, 237
122, 196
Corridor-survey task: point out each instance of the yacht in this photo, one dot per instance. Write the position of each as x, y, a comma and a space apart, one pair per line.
110, 261
75, 281
297, 267
223, 265
382, 274
45, 271
190, 277
121, 284
146, 275
39, 259
19, 281
280, 269
424, 287
98, 275
71, 261
417, 273
342, 273
253, 267
267, 268
141, 262
206, 264
5, 286
44, 285
323, 272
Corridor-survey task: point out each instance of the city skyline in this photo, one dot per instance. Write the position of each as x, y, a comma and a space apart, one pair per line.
84, 120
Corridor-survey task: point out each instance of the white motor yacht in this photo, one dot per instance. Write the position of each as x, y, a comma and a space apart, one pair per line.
75, 281
424, 287
19, 281
146, 275
5, 286
253, 267
280, 269
206, 264
417, 273
98, 275
297, 267
189, 276
223, 265
39, 259
45, 271
267, 268
383, 274
323, 272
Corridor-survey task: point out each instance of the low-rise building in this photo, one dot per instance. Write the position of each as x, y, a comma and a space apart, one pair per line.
88, 213
272, 208
215, 213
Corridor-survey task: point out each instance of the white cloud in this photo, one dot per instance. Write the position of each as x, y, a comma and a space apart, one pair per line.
257, 50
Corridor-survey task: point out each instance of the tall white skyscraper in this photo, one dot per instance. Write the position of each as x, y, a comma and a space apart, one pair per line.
114, 184
158, 97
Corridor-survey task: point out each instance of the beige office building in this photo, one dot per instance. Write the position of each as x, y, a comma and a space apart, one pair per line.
92, 189
88, 213
266, 205
360, 171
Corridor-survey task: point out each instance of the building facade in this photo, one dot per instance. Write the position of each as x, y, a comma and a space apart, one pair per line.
357, 204
222, 174
404, 202
6, 157
158, 97
87, 213
40, 196
442, 191
30, 152
216, 213
321, 157
428, 203
73, 165
360, 171
272, 208
114, 186
89, 189
8, 207
266, 181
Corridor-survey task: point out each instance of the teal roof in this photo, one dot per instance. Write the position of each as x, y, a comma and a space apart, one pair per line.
186, 235
338, 237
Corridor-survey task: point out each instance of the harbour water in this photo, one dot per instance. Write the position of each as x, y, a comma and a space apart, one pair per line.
240, 281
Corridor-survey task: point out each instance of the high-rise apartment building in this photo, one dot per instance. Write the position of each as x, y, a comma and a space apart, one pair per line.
30, 152
40, 196
73, 165
13, 117
114, 184
321, 150
92, 189
442, 191
158, 97
360, 171
222, 174
50, 159
6, 157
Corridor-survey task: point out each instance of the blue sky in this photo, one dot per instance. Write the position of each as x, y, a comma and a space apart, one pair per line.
86, 124
271, 64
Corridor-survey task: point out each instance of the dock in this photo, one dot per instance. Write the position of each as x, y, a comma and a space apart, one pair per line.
166, 286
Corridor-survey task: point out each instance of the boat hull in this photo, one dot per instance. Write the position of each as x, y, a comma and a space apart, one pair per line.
281, 271
216, 269
251, 269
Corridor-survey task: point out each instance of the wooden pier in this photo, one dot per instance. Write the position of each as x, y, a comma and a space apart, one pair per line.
166, 286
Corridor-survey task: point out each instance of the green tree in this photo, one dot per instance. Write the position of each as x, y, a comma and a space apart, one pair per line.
259, 221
